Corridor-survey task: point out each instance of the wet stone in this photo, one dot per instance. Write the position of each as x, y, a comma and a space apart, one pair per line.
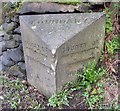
56, 46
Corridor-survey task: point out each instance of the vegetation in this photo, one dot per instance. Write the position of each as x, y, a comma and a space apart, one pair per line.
20, 95
109, 22
16, 93
113, 45
85, 82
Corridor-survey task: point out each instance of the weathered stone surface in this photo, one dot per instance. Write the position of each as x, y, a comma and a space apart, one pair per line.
15, 19
11, 44
22, 66
1, 68
1, 44
8, 27
17, 30
1, 38
15, 71
2, 33
17, 37
7, 37
16, 54
43, 7
56, 46
6, 60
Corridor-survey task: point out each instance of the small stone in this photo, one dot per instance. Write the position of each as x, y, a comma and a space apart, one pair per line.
1, 97
17, 30
3, 46
11, 44
2, 33
8, 27
49, 7
15, 71
6, 59
24, 82
15, 19
22, 65
21, 47
1, 38
7, 37
17, 37
16, 54
7, 20
1, 65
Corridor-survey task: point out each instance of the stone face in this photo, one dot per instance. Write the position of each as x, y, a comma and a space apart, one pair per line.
16, 71
42, 7
16, 54
7, 37
6, 60
17, 30
11, 44
56, 46
8, 27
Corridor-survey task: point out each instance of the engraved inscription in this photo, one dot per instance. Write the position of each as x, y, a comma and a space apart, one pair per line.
73, 47
79, 47
57, 21
36, 59
36, 48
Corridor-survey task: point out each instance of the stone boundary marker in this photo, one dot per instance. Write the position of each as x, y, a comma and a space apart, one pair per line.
56, 46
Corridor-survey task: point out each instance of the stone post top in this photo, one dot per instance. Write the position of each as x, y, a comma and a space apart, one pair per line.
59, 27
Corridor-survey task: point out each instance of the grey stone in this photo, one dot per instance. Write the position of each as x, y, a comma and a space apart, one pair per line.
17, 38
1, 67
2, 33
50, 7
3, 45
21, 46
22, 65
8, 27
7, 37
17, 30
6, 59
7, 20
16, 54
15, 19
56, 46
1, 38
15, 71
11, 44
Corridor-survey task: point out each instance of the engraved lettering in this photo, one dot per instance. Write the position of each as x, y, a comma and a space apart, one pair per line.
56, 21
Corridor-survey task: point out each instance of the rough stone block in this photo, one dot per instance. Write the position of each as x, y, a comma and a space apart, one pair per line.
56, 46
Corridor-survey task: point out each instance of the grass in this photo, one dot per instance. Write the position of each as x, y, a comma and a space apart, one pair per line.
17, 96
113, 45
109, 22
84, 82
